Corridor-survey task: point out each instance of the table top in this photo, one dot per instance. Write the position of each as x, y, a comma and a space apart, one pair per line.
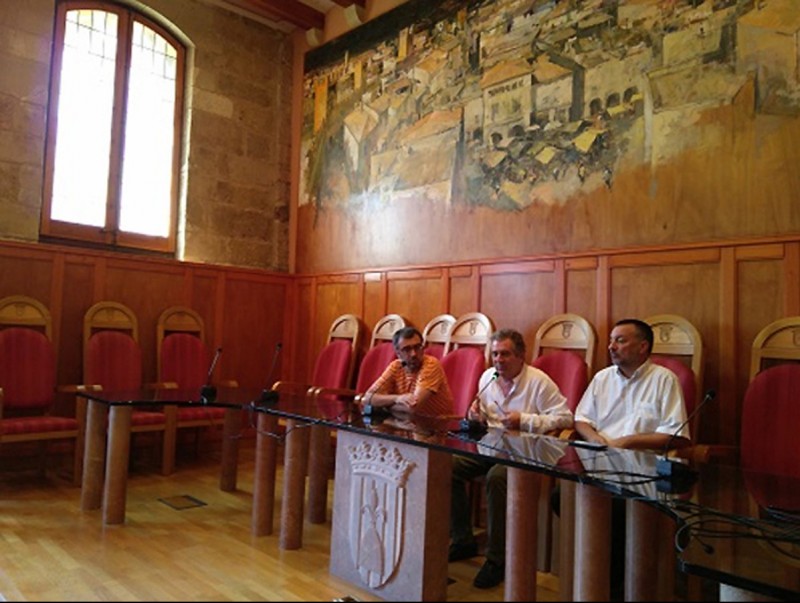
735, 527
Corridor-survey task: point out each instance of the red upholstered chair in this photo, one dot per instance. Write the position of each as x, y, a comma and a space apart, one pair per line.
770, 414
568, 370
678, 346
333, 371
564, 348
463, 367
471, 329
185, 360
112, 360
28, 382
435, 334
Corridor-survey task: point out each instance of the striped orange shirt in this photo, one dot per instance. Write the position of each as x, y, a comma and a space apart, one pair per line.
397, 380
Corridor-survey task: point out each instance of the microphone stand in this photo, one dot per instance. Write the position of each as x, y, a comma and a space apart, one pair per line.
208, 392
679, 476
471, 426
268, 395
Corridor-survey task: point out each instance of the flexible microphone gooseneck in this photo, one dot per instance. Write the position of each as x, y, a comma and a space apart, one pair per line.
208, 393
471, 426
672, 468
269, 395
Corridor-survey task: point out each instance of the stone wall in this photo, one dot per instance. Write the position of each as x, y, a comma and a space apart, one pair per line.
236, 198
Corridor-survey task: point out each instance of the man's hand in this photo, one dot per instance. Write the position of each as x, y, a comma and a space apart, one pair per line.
512, 420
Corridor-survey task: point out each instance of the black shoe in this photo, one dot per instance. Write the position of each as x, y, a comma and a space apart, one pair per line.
459, 551
490, 575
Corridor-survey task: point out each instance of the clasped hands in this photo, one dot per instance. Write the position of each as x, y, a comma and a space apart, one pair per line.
509, 420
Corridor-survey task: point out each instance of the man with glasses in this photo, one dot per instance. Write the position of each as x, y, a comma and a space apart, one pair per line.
415, 382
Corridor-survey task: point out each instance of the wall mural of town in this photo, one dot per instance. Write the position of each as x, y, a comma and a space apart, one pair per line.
508, 103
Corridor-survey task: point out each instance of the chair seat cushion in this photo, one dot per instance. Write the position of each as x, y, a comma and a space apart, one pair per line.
147, 418
200, 413
30, 425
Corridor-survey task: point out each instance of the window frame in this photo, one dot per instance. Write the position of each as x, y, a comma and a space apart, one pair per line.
109, 234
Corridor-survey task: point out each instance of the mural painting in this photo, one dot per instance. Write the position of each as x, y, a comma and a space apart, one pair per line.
510, 103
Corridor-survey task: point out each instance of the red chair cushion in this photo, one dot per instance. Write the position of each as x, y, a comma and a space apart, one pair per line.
29, 425
463, 368
185, 360
374, 363
27, 369
569, 372
333, 364
114, 361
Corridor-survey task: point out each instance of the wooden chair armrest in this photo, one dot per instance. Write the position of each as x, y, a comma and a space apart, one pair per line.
77, 389
161, 385
228, 383
316, 392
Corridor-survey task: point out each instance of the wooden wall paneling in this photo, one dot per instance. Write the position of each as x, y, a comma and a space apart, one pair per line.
415, 294
603, 324
147, 288
519, 295
375, 304
206, 297
729, 349
26, 272
301, 363
580, 290
334, 296
791, 269
760, 301
463, 297
78, 297
253, 325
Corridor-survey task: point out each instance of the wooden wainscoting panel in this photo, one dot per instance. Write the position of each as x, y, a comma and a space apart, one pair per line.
253, 325
375, 300
515, 300
417, 300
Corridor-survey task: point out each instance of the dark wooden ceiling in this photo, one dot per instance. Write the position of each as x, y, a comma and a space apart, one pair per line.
291, 14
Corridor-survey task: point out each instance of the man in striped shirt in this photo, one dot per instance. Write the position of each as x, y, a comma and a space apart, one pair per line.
415, 382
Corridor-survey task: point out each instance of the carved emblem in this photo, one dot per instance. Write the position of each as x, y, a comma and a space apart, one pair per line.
665, 333
566, 329
377, 512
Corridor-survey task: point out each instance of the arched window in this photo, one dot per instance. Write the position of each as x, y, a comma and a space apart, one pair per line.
114, 129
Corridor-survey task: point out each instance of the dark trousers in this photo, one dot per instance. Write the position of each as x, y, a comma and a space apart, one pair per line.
465, 470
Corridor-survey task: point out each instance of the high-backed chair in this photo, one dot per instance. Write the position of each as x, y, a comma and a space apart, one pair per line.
678, 346
333, 371
28, 382
769, 445
435, 334
112, 360
463, 368
379, 355
471, 329
564, 348
770, 412
184, 359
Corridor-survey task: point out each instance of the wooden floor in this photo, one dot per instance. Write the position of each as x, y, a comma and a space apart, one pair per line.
51, 551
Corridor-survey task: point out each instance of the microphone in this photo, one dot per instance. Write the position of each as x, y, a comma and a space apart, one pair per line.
472, 427
208, 393
268, 395
675, 469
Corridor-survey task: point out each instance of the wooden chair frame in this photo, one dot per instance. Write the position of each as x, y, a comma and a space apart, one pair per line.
473, 328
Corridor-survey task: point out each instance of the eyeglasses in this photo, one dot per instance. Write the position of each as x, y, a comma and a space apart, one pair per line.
411, 348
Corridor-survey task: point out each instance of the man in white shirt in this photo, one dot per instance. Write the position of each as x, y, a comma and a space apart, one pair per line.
636, 404
513, 395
